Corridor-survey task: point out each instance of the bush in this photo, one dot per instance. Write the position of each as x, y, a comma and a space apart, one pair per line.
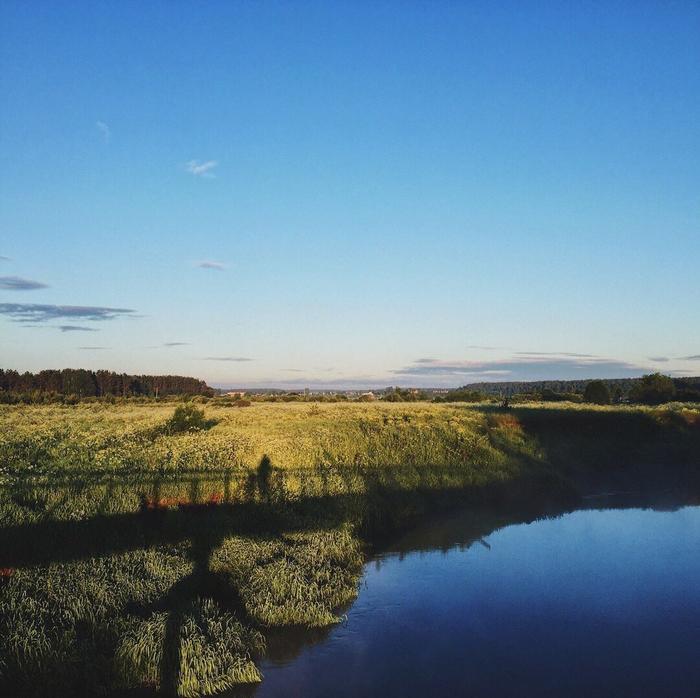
597, 392
653, 389
186, 418
548, 395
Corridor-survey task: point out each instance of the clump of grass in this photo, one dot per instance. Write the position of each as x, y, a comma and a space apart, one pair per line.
213, 651
59, 624
301, 579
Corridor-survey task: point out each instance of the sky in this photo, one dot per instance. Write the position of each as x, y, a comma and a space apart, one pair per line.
350, 194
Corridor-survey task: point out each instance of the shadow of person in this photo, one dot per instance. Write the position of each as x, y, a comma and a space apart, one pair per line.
200, 584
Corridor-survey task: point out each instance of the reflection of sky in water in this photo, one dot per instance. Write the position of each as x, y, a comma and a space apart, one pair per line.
604, 602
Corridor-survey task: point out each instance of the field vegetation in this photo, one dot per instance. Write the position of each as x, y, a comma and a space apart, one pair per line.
149, 547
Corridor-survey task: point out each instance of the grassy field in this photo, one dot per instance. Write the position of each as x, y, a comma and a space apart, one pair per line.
120, 438
133, 556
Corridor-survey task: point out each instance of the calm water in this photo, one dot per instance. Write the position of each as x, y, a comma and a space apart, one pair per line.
596, 602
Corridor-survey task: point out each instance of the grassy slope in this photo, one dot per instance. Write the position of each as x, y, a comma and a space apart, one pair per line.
108, 558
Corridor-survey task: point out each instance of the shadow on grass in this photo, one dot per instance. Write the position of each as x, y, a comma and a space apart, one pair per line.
136, 511
202, 510
589, 445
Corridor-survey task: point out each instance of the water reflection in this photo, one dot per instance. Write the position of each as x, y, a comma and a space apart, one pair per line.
594, 602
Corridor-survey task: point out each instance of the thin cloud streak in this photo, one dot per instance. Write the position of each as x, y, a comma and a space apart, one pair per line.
17, 283
74, 328
359, 384
37, 312
105, 130
659, 359
226, 358
694, 357
201, 169
176, 344
93, 348
211, 264
555, 353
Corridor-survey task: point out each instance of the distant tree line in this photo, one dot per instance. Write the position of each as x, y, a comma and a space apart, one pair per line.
81, 383
463, 395
69, 385
652, 389
508, 388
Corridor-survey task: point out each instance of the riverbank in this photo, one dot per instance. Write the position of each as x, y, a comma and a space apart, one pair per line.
137, 557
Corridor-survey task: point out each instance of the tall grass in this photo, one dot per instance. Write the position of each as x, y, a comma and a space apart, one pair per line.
135, 554
213, 652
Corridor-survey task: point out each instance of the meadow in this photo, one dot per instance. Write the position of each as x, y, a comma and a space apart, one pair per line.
139, 552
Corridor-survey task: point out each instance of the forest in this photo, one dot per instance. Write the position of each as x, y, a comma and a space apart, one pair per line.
83, 383
678, 388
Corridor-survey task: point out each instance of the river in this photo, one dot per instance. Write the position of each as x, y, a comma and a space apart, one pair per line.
600, 601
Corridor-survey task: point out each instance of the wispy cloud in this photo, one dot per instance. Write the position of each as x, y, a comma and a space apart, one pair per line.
354, 383
482, 346
201, 169
37, 312
176, 344
16, 283
431, 372
211, 264
659, 359
93, 348
74, 328
555, 353
538, 367
4, 259
227, 358
694, 357
105, 130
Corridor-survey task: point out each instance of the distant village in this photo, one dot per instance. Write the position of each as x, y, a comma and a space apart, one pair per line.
390, 393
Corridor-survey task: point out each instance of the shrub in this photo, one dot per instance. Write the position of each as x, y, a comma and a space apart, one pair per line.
597, 392
548, 395
186, 418
653, 389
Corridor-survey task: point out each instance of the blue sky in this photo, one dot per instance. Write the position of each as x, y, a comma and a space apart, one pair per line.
351, 193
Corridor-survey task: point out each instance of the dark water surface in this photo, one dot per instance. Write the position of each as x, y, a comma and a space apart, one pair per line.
595, 602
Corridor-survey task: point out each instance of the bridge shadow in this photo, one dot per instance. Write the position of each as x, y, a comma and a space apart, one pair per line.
202, 509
